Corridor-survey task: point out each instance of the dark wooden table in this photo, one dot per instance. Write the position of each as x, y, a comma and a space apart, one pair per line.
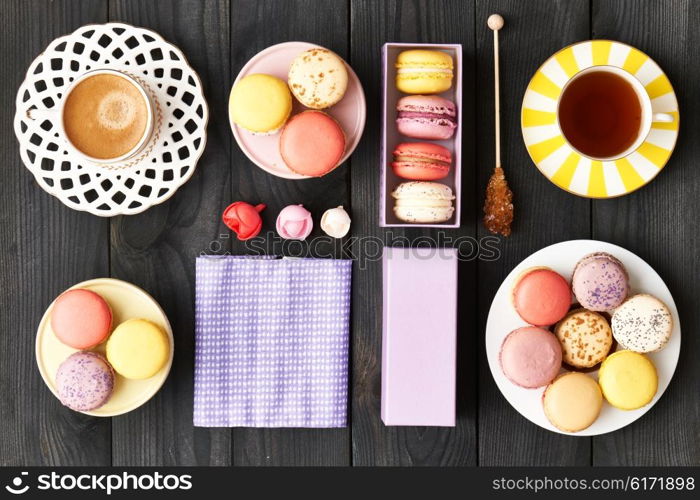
47, 247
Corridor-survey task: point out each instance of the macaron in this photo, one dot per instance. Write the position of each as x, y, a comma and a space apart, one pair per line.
642, 323
81, 318
628, 380
421, 161
424, 71
318, 78
530, 357
294, 222
138, 349
585, 338
600, 282
572, 402
84, 381
260, 104
426, 117
423, 202
312, 143
541, 296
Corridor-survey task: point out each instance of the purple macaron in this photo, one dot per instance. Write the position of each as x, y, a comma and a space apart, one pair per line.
426, 117
600, 282
85, 381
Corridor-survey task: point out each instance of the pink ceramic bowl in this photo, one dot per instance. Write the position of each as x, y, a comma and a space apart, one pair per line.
350, 112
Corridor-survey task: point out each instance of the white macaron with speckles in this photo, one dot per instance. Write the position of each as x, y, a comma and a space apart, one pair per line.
642, 324
423, 202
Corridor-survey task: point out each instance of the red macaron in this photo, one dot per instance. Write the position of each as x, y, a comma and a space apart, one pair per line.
421, 161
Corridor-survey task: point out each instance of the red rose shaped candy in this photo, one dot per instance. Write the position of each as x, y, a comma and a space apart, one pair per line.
243, 219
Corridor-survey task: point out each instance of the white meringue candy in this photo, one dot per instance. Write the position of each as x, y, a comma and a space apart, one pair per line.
335, 222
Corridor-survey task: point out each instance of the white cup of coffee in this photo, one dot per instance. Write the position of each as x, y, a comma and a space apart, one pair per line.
604, 113
105, 116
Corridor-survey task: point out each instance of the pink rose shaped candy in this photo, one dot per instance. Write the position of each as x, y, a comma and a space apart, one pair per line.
294, 223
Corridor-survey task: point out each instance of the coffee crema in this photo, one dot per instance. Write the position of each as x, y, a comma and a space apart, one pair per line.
600, 114
105, 116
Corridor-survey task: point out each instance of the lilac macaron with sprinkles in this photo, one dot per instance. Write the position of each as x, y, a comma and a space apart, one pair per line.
85, 381
600, 282
426, 117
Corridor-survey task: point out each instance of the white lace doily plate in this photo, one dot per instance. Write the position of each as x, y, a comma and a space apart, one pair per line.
181, 116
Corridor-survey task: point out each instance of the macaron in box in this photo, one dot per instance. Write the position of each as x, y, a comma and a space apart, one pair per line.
417, 104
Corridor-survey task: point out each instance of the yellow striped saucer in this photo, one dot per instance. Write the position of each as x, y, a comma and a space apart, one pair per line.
558, 161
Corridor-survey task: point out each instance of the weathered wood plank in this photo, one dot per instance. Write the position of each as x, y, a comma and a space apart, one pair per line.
544, 214
324, 23
157, 249
372, 24
47, 248
656, 223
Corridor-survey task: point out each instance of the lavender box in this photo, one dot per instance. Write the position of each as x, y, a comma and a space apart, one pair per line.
419, 338
391, 136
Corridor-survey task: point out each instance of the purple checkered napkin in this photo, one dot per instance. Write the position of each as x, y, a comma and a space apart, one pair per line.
271, 342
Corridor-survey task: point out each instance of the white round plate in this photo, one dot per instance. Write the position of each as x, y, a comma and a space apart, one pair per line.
127, 301
350, 112
562, 257
170, 157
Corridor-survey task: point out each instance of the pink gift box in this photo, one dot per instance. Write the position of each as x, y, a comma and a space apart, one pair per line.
419, 341
391, 136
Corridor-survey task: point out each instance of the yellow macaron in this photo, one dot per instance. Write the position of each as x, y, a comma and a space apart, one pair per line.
138, 349
424, 71
260, 103
628, 380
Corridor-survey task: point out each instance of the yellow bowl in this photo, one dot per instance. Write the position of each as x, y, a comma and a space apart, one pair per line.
127, 301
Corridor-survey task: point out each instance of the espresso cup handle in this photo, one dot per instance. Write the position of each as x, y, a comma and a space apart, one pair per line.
662, 117
42, 114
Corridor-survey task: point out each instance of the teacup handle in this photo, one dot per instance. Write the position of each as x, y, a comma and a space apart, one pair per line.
42, 114
662, 117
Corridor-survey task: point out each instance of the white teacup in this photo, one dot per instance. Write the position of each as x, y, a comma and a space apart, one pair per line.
647, 115
57, 116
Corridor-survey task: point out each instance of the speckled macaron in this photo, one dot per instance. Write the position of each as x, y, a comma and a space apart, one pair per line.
642, 324
585, 338
84, 381
423, 202
600, 282
318, 78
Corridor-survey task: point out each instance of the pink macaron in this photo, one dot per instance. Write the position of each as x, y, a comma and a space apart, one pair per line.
426, 117
421, 161
541, 296
312, 143
530, 357
81, 318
